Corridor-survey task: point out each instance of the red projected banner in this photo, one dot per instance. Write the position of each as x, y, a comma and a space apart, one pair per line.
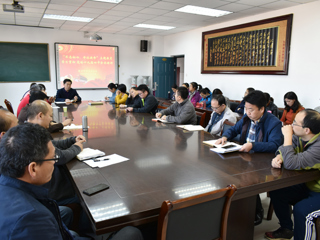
88, 66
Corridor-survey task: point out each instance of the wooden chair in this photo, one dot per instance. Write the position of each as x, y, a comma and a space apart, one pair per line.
226, 125
201, 117
9, 105
161, 107
166, 104
202, 216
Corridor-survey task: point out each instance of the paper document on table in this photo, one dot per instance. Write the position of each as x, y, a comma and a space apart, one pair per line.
73, 126
59, 102
191, 127
55, 107
227, 147
160, 120
88, 153
105, 161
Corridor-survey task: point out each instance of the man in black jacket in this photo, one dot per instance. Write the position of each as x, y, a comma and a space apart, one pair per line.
149, 103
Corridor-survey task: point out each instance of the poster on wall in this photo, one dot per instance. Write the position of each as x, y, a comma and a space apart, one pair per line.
88, 66
260, 47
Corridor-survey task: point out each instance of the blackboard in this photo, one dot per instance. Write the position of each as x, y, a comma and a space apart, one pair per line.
24, 62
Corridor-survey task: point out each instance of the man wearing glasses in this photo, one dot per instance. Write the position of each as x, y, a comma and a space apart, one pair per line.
300, 150
219, 114
60, 187
149, 103
182, 111
27, 162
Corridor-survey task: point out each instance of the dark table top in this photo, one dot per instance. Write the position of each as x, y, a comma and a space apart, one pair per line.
166, 163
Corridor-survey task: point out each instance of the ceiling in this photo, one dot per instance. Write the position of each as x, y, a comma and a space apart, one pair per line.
120, 18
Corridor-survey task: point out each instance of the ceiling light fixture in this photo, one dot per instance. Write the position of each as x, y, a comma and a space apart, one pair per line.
67, 18
108, 1
203, 11
154, 26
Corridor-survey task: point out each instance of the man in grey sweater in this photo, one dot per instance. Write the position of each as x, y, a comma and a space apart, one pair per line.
182, 111
60, 187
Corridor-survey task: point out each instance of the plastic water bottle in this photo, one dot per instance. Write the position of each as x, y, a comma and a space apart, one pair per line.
169, 95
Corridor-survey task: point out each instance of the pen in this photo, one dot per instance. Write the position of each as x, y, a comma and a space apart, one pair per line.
99, 160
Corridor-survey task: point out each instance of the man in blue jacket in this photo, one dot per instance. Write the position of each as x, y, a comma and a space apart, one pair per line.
67, 94
259, 130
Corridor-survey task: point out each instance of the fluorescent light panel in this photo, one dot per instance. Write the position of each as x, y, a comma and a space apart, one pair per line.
108, 1
67, 18
203, 11
154, 26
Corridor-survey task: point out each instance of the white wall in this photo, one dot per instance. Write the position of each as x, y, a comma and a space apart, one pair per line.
180, 63
304, 63
131, 60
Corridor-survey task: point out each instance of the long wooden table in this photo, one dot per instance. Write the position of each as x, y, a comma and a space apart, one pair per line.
165, 163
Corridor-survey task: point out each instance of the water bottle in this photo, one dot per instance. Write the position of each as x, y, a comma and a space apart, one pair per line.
84, 124
169, 95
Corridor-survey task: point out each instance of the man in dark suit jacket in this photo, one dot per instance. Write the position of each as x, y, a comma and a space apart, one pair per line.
67, 94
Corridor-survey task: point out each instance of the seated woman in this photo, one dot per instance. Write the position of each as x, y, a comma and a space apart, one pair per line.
219, 92
174, 89
292, 107
240, 107
271, 107
112, 88
194, 95
122, 95
206, 97
133, 99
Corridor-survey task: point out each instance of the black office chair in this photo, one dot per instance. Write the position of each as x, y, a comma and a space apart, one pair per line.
201, 117
202, 216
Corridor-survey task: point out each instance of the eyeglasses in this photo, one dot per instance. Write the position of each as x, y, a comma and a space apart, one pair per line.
295, 124
215, 108
56, 159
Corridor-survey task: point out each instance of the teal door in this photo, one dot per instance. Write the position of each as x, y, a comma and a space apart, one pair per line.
163, 75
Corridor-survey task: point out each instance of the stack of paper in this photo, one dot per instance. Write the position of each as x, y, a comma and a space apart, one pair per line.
227, 147
88, 153
106, 161
191, 127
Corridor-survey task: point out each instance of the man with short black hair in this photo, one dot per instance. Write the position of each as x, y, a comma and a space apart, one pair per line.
219, 114
67, 94
26, 211
259, 130
182, 111
149, 103
300, 151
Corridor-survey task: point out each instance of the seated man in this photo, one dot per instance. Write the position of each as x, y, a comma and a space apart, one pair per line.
300, 150
7, 121
38, 95
259, 130
182, 111
149, 103
219, 114
26, 163
67, 94
60, 187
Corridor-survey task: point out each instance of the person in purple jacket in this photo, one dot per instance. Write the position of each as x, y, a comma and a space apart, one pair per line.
194, 95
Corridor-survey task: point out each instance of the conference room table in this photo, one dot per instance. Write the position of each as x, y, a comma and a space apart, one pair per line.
165, 163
